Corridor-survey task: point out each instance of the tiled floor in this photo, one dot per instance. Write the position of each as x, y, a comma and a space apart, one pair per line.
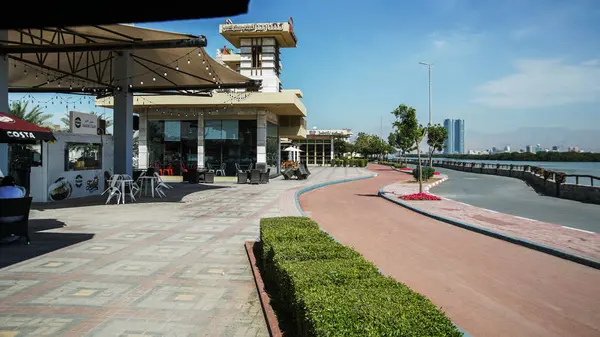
148, 268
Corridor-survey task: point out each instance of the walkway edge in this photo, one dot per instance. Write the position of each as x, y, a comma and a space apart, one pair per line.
327, 183
335, 182
590, 262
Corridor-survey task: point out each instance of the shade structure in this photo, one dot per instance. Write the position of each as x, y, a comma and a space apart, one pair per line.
47, 14
16, 130
80, 59
292, 149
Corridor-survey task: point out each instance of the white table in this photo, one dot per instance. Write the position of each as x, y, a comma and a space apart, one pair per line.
124, 182
145, 179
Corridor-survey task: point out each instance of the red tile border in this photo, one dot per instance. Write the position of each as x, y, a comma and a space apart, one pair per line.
270, 317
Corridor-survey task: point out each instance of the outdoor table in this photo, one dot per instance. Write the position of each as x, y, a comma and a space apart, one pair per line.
123, 183
152, 179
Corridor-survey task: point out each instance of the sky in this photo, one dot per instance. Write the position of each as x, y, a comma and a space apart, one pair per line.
499, 65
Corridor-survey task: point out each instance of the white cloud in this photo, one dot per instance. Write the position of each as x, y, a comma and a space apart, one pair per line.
541, 83
459, 41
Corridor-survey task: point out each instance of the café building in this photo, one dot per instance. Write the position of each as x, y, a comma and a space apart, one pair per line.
225, 129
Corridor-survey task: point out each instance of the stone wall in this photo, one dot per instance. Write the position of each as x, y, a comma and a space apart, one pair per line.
583, 193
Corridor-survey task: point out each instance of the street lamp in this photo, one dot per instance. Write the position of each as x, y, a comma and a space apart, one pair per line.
429, 70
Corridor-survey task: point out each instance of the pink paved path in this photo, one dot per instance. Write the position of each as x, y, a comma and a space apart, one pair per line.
579, 242
487, 286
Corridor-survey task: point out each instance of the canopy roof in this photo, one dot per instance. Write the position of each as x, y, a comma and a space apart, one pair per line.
76, 59
16, 130
49, 14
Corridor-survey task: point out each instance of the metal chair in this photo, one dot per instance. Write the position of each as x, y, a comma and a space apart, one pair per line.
254, 177
221, 169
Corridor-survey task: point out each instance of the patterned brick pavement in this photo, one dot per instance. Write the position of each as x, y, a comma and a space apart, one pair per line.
579, 242
148, 268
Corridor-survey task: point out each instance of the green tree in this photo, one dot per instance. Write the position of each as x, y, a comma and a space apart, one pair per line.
436, 136
406, 124
341, 146
35, 115
65, 119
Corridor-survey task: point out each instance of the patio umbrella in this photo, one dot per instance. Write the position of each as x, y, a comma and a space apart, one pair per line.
16, 130
292, 152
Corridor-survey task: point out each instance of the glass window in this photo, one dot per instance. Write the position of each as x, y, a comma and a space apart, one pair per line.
212, 129
82, 156
229, 129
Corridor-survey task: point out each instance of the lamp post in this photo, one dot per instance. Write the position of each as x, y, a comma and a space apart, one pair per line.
429, 74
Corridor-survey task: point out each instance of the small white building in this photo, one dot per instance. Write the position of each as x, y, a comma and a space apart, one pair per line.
72, 167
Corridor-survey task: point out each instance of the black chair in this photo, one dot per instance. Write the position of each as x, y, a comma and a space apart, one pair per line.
306, 168
209, 177
255, 177
288, 173
13, 208
301, 172
191, 176
262, 167
242, 177
264, 176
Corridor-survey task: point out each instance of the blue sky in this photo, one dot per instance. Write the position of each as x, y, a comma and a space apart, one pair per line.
499, 65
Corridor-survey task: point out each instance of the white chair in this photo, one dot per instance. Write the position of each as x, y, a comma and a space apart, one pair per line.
221, 169
138, 182
113, 189
134, 188
160, 185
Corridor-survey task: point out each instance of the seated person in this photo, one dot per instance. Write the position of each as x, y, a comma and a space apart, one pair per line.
9, 190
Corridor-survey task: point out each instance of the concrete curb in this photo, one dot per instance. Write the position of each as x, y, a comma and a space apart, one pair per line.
335, 182
590, 262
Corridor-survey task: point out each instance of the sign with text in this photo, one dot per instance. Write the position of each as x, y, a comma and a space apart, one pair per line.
83, 123
253, 27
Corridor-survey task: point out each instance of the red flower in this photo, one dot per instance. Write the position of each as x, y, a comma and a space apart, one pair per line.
436, 173
419, 196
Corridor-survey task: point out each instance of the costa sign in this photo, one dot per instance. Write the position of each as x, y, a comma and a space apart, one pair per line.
20, 134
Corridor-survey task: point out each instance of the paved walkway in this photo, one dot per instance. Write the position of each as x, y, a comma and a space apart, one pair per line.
175, 267
568, 239
487, 286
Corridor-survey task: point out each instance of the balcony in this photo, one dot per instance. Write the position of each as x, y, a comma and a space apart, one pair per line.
293, 127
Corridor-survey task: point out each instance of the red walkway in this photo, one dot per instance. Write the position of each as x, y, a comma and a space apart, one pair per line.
487, 286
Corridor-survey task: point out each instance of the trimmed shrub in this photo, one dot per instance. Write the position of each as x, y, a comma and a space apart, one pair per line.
427, 172
321, 288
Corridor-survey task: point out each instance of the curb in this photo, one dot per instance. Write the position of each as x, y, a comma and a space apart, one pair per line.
335, 182
265, 301
590, 262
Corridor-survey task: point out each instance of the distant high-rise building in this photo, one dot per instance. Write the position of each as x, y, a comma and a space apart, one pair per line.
529, 149
449, 143
507, 148
459, 136
538, 148
555, 148
456, 136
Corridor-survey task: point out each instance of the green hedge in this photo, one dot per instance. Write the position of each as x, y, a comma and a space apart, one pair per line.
321, 288
393, 164
351, 162
427, 172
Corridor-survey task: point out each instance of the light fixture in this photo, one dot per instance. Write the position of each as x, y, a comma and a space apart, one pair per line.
154, 79
142, 82
189, 61
177, 68
165, 74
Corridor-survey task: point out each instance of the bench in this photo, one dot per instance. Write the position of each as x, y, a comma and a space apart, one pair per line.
15, 207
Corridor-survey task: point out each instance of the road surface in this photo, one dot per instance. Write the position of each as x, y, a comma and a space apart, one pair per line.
513, 196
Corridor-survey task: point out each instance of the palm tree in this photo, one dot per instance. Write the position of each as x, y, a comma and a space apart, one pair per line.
35, 115
65, 119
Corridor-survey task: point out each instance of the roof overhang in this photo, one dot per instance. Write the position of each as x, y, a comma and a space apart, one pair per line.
283, 32
48, 14
80, 59
280, 103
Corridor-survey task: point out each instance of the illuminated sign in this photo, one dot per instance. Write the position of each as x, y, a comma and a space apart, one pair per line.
253, 27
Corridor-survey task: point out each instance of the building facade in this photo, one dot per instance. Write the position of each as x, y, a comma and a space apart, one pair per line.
455, 144
318, 146
226, 128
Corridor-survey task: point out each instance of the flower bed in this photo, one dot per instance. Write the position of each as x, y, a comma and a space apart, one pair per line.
419, 196
320, 287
